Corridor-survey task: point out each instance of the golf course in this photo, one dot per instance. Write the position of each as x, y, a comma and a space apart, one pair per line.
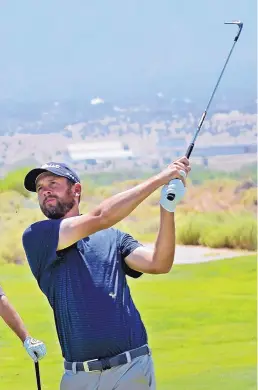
201, 320
128, 195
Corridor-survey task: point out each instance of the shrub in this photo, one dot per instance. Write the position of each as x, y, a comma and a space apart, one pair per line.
189, 228
218, 230
236, 234
13, 181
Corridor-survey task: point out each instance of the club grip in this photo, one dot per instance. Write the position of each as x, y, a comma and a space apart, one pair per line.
189, 150
170, 196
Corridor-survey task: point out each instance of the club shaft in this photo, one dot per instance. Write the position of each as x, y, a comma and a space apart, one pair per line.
37, 375
171, 195
191, 146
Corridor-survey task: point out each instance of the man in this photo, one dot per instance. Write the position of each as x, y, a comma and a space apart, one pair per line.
35, 348
81, 263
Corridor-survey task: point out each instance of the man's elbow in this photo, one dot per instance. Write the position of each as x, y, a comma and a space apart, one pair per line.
158, 269
103, 218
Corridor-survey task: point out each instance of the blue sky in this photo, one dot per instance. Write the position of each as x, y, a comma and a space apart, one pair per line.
55, 48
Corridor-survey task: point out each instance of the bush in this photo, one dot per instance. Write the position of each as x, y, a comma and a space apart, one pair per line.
243, 234
13, 181
248, 198
11, 202
10, 253
12, 226
188, 230
218, 230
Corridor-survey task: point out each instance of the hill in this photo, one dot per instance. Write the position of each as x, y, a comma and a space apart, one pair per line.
153, 134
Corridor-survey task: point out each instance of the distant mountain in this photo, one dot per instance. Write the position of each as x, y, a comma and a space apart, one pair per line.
152, 131
43, 117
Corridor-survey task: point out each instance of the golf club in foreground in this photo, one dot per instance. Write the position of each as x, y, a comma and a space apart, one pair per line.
37, 375
170, 191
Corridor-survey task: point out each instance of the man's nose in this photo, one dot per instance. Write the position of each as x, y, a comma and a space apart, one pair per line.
46, 192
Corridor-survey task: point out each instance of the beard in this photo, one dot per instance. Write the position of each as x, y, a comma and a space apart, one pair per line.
59, 209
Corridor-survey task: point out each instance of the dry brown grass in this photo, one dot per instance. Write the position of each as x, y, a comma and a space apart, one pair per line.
216, 214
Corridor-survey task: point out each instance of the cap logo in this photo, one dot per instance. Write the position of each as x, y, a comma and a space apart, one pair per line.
72, 176
67, 172
50, 166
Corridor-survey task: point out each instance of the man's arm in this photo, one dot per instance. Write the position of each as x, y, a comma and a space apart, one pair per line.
160, 259
116, 208
12, 318
35, 348
107, 214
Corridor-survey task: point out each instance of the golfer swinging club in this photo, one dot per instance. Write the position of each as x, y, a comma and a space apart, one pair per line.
80, 263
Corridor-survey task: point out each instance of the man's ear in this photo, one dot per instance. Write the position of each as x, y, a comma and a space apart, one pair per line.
77, 189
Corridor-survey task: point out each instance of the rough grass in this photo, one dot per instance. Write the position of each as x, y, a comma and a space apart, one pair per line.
222, 229
218, 230
201, 321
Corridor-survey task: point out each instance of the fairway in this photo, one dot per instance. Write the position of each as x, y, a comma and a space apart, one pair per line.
201, 321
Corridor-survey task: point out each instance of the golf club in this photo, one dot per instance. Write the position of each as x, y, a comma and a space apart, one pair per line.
170, 192
37, 375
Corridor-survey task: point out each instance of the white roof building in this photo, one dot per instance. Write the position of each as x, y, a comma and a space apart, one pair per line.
98, 151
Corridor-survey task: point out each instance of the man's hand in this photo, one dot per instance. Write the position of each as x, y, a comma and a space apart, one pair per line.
35, 348
177, 187
173, 171
178, 171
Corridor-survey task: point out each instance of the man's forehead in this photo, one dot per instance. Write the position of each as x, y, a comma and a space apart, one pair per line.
45, 175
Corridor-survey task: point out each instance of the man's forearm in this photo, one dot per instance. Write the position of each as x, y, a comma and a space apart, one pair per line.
164, 250
12, 319
121, 205
116, 208
107, 214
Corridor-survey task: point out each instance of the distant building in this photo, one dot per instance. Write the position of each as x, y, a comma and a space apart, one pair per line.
223, 150
174, 147
92, 152
177, 146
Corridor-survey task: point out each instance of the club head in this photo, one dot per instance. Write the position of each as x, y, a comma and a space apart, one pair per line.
237, 22
240, 26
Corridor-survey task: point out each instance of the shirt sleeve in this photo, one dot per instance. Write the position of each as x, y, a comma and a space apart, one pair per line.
1, 291
40, 241
127, 244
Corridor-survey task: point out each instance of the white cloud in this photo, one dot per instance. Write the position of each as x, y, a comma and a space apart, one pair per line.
96, 101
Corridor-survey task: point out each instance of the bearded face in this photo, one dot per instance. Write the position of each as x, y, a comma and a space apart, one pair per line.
55, 195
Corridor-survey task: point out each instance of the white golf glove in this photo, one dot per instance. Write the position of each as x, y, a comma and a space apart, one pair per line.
177, 187
35, 348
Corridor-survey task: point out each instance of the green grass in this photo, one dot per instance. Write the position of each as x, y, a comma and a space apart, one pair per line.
201, 321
